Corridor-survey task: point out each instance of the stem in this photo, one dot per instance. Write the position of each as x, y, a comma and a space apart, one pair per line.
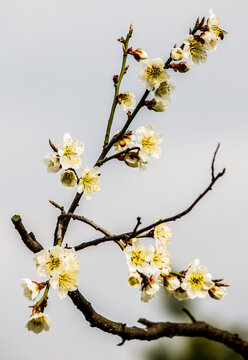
44, 297
116, 156
117, 87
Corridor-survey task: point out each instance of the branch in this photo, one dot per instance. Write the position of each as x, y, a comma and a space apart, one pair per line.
156, 330
129, 235
153, 330
86, 221
28, 238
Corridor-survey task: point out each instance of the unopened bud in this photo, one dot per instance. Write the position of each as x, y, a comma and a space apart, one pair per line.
121, 40
217, 292
115, 79
176, 54
182, 67
138, 54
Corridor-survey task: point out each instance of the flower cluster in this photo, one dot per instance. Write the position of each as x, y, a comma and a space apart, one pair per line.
205, 39
158, 80
148, 264
68, 156
140, 147
196, 281
62, 266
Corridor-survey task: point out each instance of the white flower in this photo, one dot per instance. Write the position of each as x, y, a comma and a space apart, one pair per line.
65, 280
125, 142
171, 283
151, 287
148, 141
162, 232
194, 50
134, 279
176, 54
153, 72
68, 178
127, 101
160, 106
71, 259
217, 292
213, 24
52, 162
70, 152
132, 159
38, 322
210, 40
30, 289
138, 256
197, 281
163, 90
180, 294
89, 182
48, 262
161, 260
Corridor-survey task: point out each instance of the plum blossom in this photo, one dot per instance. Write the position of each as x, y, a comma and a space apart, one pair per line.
148, 141
153, 72
197, 281
89, 182
38, 322
30, 289
70, 152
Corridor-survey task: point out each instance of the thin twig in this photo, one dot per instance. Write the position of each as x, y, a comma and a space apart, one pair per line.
187, 312
86, 221
213, 161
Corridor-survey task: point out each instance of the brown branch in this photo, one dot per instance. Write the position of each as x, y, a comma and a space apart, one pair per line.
156, 330
28, 238
128, 235
153, 330
86, 221
213, 161
187, 312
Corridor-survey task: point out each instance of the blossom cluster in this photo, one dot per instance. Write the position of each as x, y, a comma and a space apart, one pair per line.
205, 39
62, 266
139, 147
196, 281
154, 73
68, 156
148, 264
149, 270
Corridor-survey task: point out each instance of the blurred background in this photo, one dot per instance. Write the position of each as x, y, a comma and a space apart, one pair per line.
57, 60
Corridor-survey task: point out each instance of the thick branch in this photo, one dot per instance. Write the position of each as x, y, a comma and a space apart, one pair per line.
28, 238
153, 330
157, 330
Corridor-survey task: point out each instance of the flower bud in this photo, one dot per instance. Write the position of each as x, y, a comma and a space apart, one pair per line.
138, 54
176, 54
217, 292
68, 178
182, 67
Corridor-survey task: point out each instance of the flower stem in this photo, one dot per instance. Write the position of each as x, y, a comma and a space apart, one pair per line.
44, 297
117, 87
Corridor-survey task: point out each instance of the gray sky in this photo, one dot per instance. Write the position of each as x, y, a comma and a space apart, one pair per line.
57, 59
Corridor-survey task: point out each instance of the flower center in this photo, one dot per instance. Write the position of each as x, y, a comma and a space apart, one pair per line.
53, 263
138, 257
132, 280
154, 73
196, 281
149, 143
69, 152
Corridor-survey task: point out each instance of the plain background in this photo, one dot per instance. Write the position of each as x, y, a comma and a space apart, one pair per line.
57, 60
